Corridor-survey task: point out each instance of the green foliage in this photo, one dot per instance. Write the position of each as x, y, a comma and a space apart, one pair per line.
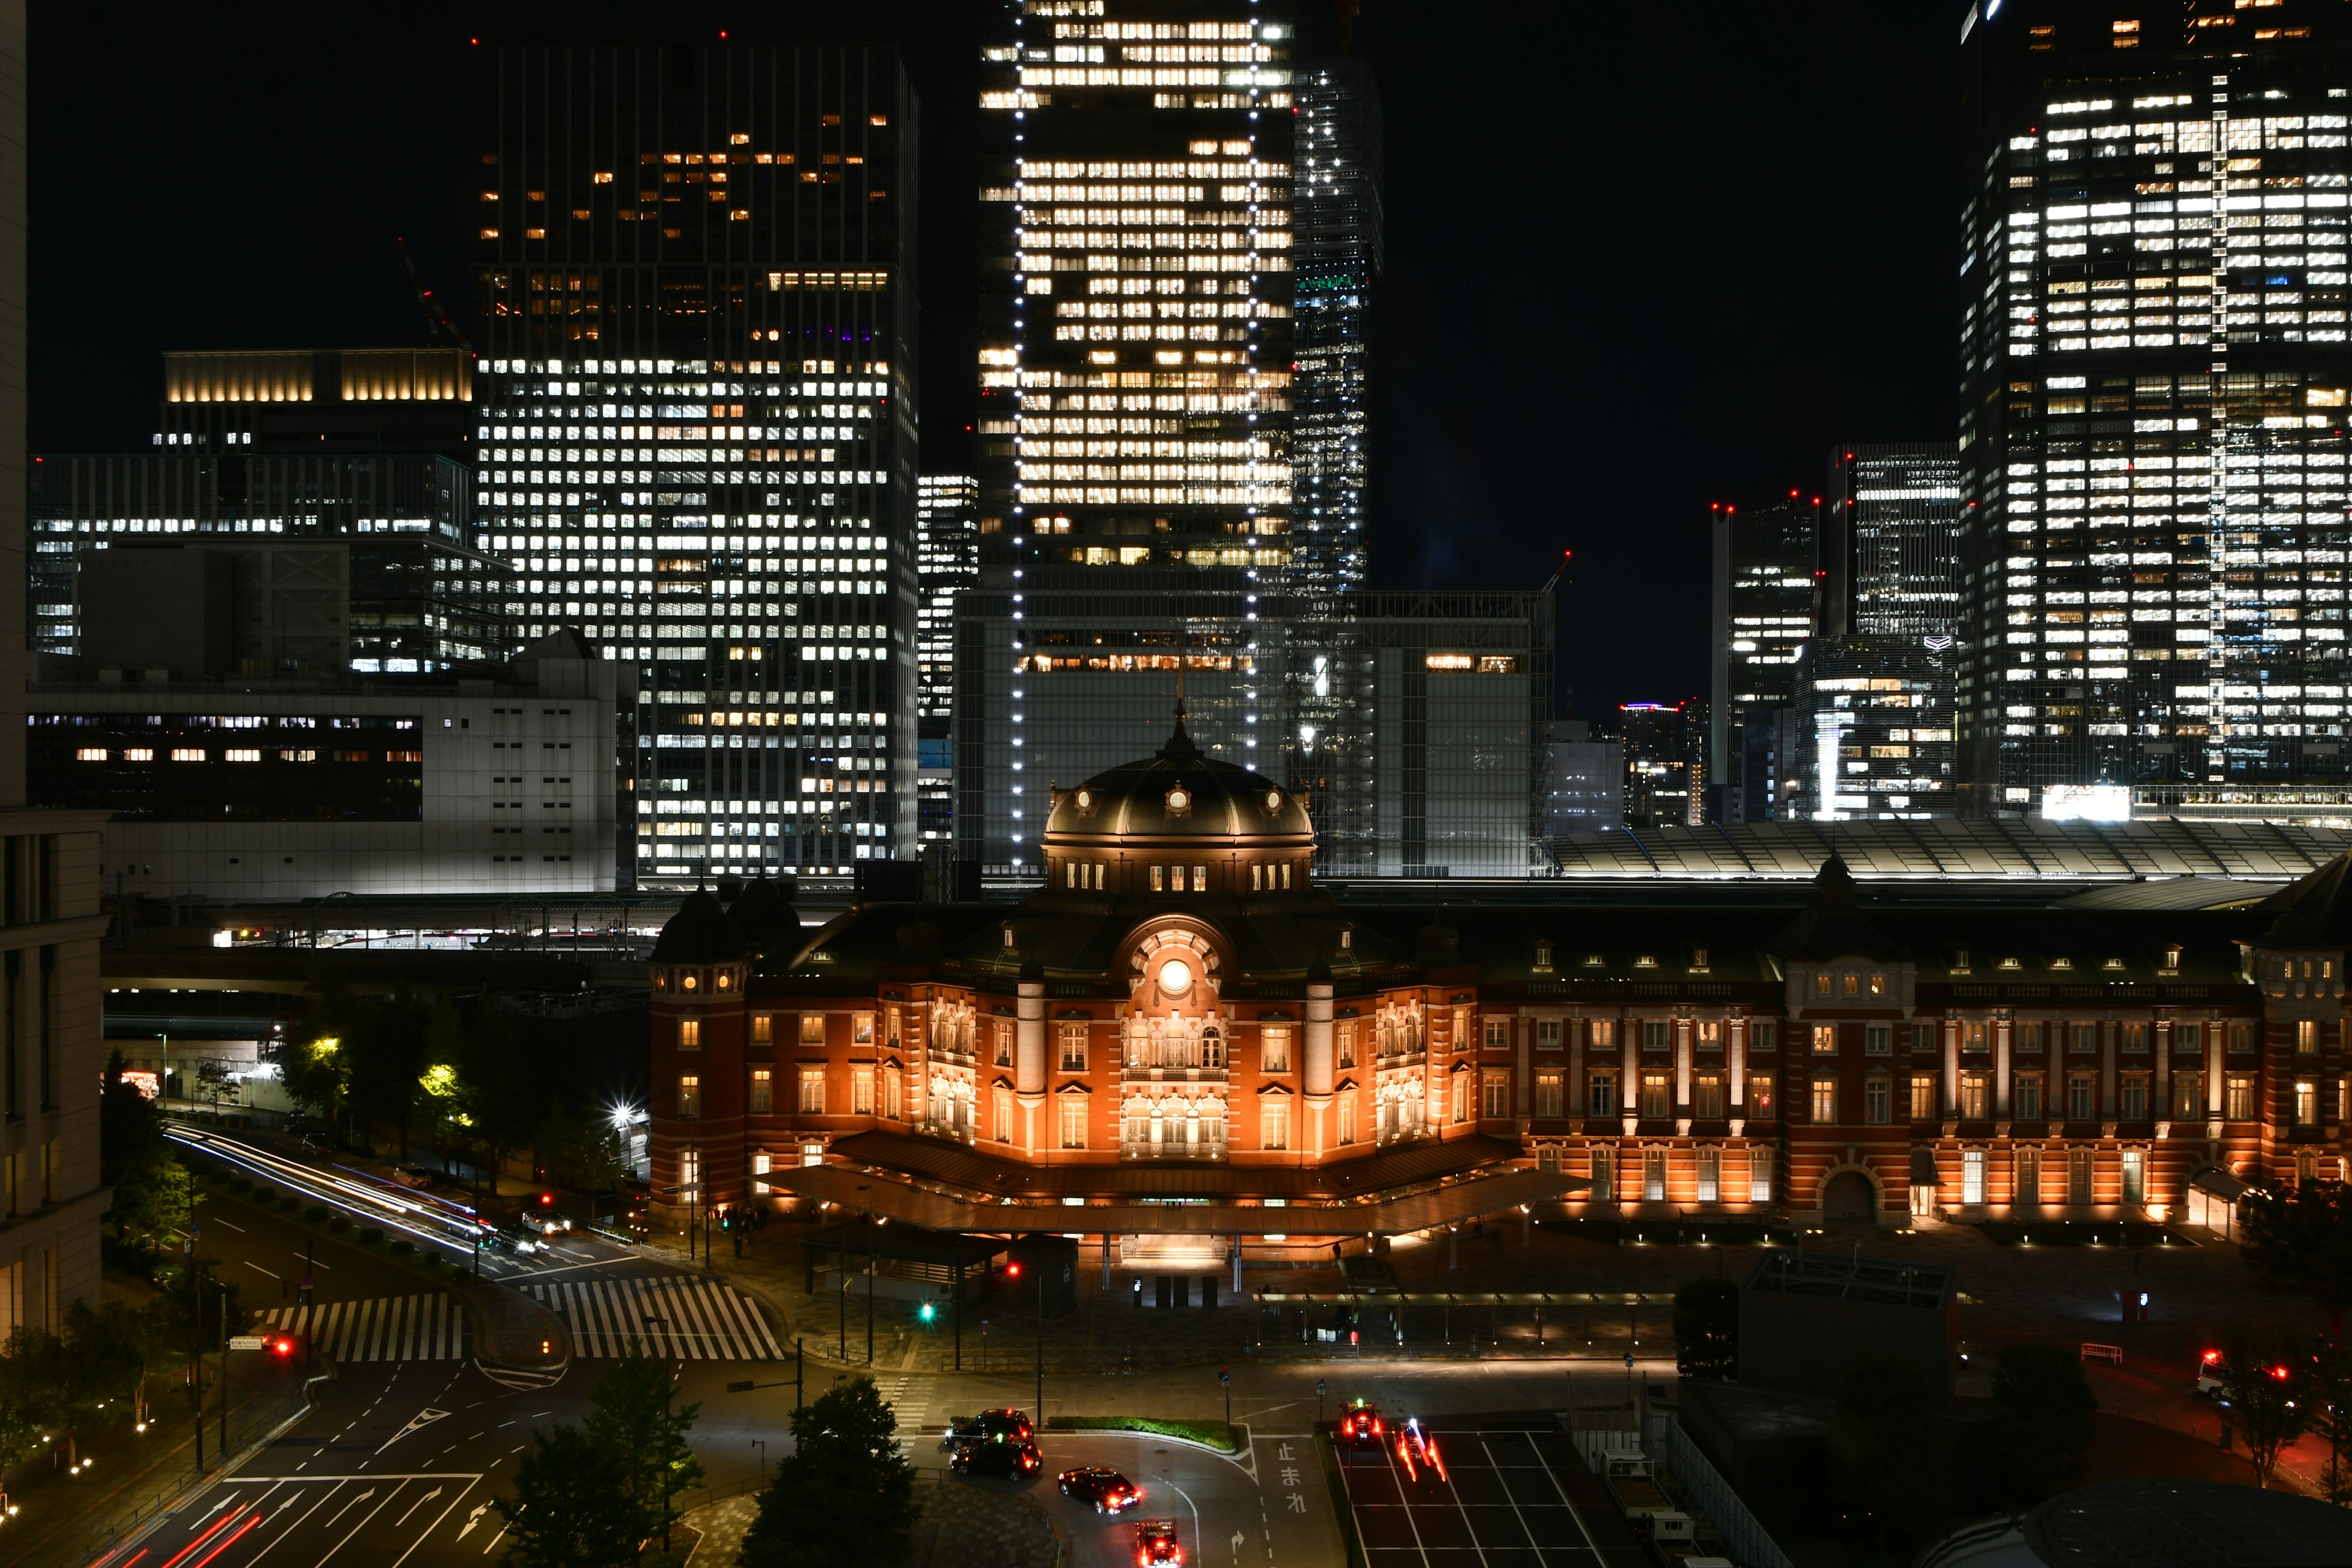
189, 1310
383, 1042
578, 1152
153, 1200
62, 1383
631, 1415
2299, 1243
572, 1505
1214, 1433
2046, 1431
2262, 1377
1886, 1449
130, 1128
1707, 1330
312, 1072
845, 1497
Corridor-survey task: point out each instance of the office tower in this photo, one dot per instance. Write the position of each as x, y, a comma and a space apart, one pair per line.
695, 308
1767, 603
2154, 377
1891, 530
1337, 263
1872, 732
359, 564
319, 402
1586, 792
1135, 348
1665, 761
947, 563
50, 1199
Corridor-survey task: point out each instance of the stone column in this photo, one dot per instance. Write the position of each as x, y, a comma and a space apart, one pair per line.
2108, 1030
1316, 1070
2000, 1073
1029, 1048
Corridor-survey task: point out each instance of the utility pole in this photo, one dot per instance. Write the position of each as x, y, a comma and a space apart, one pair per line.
197, 1340
224, 1318
799, 1396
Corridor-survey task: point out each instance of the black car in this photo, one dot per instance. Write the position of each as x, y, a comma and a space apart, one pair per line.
1110, 1491
1362, 1425
1011, 1458
987, 1427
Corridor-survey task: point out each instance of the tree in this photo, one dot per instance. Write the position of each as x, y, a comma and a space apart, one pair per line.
385, 1047
2260, 1378
313, 1075
1886, 1443
2046, 1432
632, 1417
2299, 1243
578, 1152
130, 1128
1707, 1330
60, 1382
845, 1497
190, 1309
571, 1506
152, 1193
492, 1086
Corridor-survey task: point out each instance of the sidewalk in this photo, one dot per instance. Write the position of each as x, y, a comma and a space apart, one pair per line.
68, 1520
2008, 1294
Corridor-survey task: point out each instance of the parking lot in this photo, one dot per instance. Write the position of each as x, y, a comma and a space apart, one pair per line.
1495, 1504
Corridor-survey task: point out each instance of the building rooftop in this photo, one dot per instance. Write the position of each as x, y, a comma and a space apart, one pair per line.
2156, 1524
1884, 1282
2003, 848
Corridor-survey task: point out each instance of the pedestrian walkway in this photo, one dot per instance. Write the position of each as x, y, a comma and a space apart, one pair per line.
692, 1319
390, 1327
909, 1399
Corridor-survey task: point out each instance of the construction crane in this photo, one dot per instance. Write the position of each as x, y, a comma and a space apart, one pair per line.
1567, 557
437, 324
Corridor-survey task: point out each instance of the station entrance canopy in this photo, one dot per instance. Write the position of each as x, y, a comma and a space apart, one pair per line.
1456, 1203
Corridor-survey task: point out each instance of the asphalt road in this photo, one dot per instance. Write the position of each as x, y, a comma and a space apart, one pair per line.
395, 1465
263, 1251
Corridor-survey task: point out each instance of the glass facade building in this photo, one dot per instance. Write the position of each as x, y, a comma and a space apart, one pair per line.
363, 564
1135, 246
1892, 540
2154, 379
1337, 266
1767, 604
694, 303
947, 564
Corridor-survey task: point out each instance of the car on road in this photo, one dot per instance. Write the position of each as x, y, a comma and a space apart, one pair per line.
1361, 1424
2208, 1377
1418, 1449
1012, 1457
546, 1222
1110, 1491
986, 1427
518, 1238
1155, 1542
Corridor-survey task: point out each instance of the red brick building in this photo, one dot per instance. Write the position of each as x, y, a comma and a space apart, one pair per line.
1180, 1011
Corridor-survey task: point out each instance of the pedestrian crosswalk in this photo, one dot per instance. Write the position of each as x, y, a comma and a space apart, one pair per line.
909, 1399
389, 1328
692, 1319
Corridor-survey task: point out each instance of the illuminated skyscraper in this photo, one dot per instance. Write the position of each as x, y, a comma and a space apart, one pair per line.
1767, 603
1891, 539
2153, 376
694, 306
1339, 262
1135, 348
947, 564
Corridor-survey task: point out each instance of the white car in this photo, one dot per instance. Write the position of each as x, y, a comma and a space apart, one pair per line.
546, 1221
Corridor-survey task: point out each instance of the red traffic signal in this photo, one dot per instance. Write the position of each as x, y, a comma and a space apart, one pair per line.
282, 1345
546, 1200
1012, 1271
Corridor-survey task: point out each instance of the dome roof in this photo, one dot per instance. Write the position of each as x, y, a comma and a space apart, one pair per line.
1180, 792
700, 932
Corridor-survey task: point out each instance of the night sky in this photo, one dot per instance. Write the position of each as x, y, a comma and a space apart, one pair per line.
1639, 257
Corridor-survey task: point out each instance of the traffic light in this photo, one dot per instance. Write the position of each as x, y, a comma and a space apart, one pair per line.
1012, 1271
282, 1346
928, 1311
